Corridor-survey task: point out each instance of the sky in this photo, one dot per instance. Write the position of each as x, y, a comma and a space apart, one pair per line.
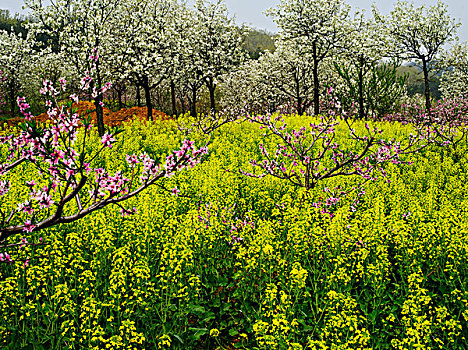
251, 11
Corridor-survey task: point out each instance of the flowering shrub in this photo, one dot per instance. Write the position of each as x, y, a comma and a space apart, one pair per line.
311, 154
66, 167
447, 112
445, 124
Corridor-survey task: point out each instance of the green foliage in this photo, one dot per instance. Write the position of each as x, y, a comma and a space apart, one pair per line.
385, 89
415, 84
257, 41
382, 88
14, 23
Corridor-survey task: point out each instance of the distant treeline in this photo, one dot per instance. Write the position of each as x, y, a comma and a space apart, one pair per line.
258, 41
13, 23
415, 82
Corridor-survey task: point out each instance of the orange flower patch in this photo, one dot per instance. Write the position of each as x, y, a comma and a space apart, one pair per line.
110, 118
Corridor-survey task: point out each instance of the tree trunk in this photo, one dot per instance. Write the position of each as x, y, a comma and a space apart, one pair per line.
149, 104
138, 95
113, 98
427, 91
119, 96
211, 87
361, 89
12, 100
97, 103
173, 99
182, 103
99, 115
299, 108
316, 80
193, 107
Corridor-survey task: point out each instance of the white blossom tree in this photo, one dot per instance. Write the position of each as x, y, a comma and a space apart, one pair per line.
319, 25
282, 80
455, 76
187, 71
46, 65
78, 29
16, 54
364, 48
215, 44
418, 33
249, 88
289, 73
146, 44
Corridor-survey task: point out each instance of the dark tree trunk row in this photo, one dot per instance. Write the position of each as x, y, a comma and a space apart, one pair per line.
173, 99
12, 99
193, 106
361, 89
211, 88
138, 95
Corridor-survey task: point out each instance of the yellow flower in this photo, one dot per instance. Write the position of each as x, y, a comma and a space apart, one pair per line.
268, 249
214, 333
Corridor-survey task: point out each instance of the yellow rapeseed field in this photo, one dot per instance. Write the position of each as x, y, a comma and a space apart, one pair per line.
238, 262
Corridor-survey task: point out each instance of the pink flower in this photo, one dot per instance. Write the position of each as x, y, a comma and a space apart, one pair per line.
107, 140
5, 257
132, 160
26, 207
175, 191
128, 212
28, 226
63, 83
23, 242
4, 187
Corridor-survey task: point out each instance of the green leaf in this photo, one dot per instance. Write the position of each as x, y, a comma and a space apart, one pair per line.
197, 309
178, 338
199, 332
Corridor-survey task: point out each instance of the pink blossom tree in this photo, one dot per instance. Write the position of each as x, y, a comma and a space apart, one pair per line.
446, 122
308, 156
66, 185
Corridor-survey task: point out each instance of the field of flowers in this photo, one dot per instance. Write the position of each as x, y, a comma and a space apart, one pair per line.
239, 262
